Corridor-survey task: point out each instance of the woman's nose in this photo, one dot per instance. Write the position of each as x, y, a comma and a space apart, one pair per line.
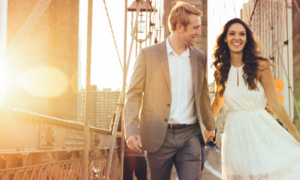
236, 37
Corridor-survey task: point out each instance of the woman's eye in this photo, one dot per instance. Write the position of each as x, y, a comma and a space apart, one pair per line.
231, 33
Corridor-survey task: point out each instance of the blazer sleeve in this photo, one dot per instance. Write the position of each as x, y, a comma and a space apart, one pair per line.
134, 96
208, 119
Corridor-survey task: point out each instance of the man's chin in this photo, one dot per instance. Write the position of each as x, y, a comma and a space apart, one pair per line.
192, 44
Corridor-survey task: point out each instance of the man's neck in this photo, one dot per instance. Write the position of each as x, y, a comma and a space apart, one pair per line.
176, 44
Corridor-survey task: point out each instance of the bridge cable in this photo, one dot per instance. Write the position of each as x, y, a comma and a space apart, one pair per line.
26, 29
297, 6
253, 12
112, 32
121, 99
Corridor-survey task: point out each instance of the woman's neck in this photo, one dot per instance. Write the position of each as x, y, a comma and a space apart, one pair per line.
236, 59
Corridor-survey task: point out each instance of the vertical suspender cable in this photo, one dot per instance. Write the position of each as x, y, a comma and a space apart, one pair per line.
136, 32
288, 56
146, 23
88, 86
121, 99
123, 90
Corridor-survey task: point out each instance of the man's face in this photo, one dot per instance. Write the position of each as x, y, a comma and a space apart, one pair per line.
192, 30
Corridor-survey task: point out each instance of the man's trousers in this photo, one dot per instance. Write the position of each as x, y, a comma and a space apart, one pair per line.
181, 147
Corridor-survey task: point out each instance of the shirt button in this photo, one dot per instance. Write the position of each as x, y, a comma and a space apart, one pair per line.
166, 120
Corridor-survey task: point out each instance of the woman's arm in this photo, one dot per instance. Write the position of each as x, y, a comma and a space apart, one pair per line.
266, 79
217, 103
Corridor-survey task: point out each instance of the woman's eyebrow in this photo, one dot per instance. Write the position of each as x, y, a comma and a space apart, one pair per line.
234, 31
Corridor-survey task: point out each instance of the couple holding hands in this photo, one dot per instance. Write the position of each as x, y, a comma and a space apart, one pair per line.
168, 112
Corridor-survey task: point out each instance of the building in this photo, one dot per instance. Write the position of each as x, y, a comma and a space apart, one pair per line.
273, 23
80, 105
52, 44
79, 82
103, 104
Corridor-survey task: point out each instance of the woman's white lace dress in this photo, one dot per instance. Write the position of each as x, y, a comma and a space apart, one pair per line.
255, 146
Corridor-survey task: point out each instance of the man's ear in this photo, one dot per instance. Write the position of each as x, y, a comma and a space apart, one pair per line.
179, 27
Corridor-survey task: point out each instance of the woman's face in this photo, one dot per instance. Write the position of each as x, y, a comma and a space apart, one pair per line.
236, 38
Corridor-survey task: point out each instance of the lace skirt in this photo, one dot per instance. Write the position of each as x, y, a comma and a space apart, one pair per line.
256, 147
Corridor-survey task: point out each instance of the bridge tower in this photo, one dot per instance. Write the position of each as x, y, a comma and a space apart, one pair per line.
52, 46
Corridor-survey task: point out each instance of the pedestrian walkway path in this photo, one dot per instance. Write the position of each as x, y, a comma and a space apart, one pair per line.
212, 166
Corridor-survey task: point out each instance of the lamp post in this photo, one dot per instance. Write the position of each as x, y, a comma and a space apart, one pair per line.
143, 24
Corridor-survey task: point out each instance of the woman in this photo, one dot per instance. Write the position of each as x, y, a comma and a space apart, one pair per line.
254, 146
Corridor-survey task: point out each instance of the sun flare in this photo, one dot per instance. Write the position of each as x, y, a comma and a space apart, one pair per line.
44, 81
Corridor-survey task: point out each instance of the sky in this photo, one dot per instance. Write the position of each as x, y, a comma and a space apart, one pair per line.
106, 71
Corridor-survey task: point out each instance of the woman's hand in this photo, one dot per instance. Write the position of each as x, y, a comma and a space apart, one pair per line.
297, 136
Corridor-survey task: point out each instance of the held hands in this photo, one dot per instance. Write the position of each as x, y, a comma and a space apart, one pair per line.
297, 136
209, 135
134, 143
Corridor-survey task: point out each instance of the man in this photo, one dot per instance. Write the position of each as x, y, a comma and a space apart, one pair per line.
168, 102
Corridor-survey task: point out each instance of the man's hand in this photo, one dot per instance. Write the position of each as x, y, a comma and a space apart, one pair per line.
209, 135
134, 143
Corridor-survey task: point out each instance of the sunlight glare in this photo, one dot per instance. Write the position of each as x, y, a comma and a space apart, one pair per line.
44, 81
2, 78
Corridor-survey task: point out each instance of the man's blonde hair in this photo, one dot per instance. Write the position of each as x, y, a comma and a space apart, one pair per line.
181, 14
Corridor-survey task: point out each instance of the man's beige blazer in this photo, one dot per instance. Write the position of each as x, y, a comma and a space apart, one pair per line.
148, 99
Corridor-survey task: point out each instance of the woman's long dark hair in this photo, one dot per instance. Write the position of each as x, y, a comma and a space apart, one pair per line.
251, 53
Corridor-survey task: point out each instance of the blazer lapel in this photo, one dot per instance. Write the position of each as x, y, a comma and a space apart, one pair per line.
194, 65
163, 58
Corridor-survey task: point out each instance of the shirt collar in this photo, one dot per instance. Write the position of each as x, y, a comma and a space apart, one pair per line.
186, 53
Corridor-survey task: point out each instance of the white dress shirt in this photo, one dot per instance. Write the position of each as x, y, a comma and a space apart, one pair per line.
182, 106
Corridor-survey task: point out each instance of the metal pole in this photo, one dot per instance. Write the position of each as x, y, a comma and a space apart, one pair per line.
88, 82
121, 102
123, 90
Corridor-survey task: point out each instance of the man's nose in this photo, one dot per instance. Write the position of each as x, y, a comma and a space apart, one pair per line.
199, 32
